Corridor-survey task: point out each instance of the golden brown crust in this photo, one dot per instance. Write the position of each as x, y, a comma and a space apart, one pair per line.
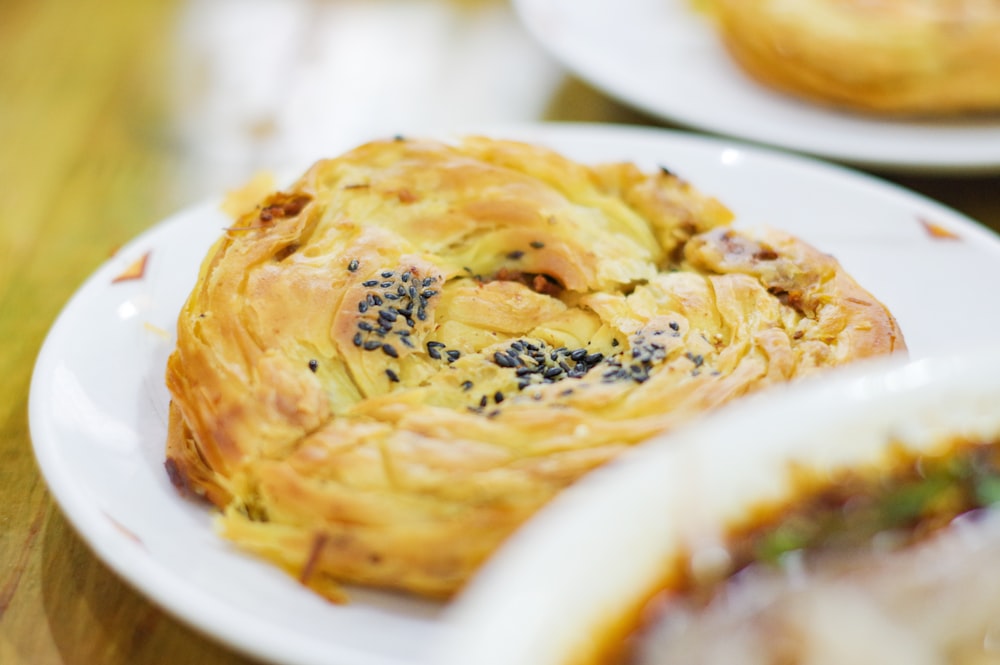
935, 57
385, 369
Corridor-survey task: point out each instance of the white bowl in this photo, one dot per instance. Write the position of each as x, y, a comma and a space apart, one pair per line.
592, 556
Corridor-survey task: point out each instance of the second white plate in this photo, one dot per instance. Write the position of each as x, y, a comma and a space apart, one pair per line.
664, 58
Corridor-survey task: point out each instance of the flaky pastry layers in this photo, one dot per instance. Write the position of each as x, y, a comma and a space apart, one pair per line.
905, 57
385, 368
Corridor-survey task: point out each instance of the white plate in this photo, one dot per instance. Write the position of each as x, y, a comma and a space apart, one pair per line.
98, 404
664, 58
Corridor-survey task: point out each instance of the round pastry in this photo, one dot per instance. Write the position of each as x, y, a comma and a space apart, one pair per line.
386, 368
911, 57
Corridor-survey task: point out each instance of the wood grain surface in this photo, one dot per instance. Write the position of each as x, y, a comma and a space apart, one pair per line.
102, 134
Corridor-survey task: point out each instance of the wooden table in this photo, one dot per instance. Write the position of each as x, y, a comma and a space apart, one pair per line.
112, 115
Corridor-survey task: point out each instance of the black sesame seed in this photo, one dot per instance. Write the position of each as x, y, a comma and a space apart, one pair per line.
388, 315
406, 340
401, 290
370, 283
363, 306
524, 371
453, 355
405, 277
503, 360
364, 325
578, 354
594, 358
421, 313
523, 383
467, 385
674, 326
357, 339
410, 322
388, 273
314, 365
385, 285
498, 397
427, 282
390, 350
372, 344
392, 375
353, 265
391, 296
565, 367
483, 401
614, 341
412, 292
698, 360
537, 245
553, 372
515, 255
375, 300
428, 293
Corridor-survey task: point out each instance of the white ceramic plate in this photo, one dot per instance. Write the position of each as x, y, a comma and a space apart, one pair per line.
664, 58
98, 404
602, 546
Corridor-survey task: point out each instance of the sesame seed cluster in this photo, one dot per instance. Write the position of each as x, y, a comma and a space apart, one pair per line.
393, 304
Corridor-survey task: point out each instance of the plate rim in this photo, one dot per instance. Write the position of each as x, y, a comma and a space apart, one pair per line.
928, 163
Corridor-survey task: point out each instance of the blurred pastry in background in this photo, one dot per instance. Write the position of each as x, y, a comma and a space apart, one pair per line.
891, 57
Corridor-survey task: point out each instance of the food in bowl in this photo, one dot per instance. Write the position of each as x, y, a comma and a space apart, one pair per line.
388, 366
888, 563
852, 518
